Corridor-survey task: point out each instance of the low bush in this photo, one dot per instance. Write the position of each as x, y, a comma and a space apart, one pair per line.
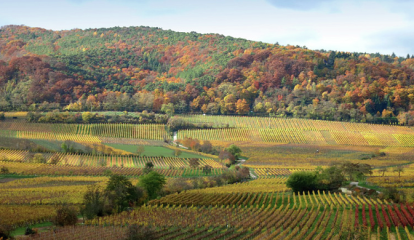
138, 232
65, 216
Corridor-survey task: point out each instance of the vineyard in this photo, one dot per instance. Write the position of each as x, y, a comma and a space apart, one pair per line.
22, 215
262, 208
298, 131
90, 160
92, 133
214, 213
67, 170
47, 190
310, 217
294, 156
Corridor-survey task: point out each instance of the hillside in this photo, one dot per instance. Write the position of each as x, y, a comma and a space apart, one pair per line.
143, 68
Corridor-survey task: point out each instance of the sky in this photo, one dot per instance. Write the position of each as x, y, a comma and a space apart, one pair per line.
383, 26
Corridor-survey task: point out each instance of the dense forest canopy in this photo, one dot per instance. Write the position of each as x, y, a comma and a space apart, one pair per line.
144, 68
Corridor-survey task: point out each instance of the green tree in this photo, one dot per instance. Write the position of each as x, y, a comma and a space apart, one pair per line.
152, 183
122, 193
330, 178
168, 109
64, 147
302, 181
86, 117
148, 167
355, 170
95, 202
235, 151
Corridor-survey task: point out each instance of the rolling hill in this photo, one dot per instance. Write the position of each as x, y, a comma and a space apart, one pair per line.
144, 68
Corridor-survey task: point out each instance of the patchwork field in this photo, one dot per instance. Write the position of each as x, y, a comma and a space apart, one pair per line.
53, 164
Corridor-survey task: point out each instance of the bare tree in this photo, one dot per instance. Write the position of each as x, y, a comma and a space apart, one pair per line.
399, 169
383, 171
140, 150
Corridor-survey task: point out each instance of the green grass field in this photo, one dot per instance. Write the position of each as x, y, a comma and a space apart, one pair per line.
52, 145
21, 230
154, 151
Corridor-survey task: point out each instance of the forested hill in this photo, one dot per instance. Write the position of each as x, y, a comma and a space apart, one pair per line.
143, 68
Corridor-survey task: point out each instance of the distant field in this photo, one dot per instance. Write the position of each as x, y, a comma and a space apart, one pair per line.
154, 151
297, 131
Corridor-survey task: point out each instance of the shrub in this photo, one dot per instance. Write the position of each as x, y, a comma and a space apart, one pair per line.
4, 170
194, 163
5, 231
94, 201
175, 123
302, 181
65, 216
55, 159
243, 173
177, 152
38, 158
138, 232
30, 231
235, 151
393, 194
207, 169
140, 150
148, 167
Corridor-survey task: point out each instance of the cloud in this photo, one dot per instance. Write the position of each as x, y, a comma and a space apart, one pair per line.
303, 5
78, 1
298, 4
398, 41
346, 25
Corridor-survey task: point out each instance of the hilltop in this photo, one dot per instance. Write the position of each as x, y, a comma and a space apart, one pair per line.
144, 68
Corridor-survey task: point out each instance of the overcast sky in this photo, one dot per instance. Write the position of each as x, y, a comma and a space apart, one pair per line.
383, 26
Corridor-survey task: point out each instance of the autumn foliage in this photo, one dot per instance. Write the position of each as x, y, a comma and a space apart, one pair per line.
143, 68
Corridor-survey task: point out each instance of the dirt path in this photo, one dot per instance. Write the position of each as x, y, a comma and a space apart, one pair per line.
240, 162
5, 180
